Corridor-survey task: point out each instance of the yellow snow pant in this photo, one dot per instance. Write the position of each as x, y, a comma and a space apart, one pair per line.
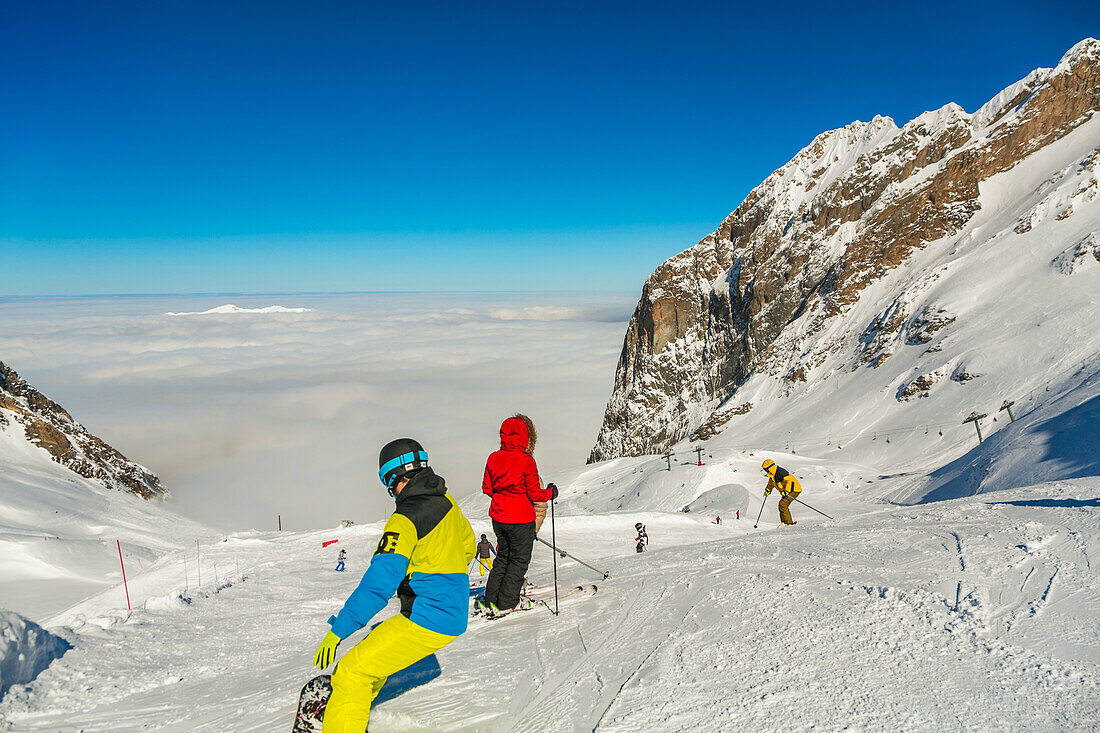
483, 564
785, 507
393, 645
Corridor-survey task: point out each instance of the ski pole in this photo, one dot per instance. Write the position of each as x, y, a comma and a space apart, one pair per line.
816, 510
554, 540
761, 512
566, 554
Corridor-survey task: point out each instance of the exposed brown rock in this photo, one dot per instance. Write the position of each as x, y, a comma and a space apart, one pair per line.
917, 388
717, 421
925, 325
961, 375
47, 425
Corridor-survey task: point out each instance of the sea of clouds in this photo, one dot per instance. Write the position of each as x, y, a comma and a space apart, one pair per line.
249, 415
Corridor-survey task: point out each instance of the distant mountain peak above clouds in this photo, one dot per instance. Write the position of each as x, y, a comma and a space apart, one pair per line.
26, 414
772, 293
230, 309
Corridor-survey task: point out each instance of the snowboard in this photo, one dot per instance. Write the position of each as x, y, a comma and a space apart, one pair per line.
311, 704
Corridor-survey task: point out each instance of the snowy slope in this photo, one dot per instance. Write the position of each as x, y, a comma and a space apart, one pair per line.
975, 613
58, 530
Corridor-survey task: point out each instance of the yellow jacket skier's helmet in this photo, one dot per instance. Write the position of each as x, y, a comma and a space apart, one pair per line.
767, 466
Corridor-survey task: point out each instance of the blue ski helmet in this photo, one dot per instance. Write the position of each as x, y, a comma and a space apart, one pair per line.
400, 458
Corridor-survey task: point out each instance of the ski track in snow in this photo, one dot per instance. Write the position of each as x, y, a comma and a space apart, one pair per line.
827, 625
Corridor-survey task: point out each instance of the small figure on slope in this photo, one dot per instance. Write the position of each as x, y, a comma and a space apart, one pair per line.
642, 539
340, 561
718, 519
423, 557
512, 480
786, 484
485, 552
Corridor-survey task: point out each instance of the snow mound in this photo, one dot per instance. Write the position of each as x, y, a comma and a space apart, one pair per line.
25, 650
724, 499
229, 308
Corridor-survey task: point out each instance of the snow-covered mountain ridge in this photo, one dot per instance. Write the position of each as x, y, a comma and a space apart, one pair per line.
916, 253
47, 425
66, 497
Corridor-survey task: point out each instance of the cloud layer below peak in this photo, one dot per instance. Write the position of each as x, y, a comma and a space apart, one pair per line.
246, 418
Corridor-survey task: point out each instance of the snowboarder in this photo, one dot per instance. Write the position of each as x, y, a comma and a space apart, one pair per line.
786, 484
512, 480
340, 561
642, 539
484, 555
423, 556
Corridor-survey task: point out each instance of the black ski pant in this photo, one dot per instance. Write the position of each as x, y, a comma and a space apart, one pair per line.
514, 543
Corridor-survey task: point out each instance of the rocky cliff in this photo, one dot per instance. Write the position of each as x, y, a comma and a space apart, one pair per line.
47, 425
763, 294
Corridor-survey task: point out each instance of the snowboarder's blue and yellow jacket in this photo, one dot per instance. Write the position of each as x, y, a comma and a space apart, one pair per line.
423, 556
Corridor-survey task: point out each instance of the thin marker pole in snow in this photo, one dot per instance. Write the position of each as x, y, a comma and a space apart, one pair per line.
198, 563
119, 544
237, 560
185, 583
215, 576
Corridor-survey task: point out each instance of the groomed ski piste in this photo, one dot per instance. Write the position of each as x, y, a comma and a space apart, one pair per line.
978, 612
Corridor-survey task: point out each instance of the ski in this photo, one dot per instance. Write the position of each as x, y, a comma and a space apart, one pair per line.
533, 598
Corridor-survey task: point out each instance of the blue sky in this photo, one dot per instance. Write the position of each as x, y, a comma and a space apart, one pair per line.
276, 147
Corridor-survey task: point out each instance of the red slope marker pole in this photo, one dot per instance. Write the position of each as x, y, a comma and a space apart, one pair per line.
119, 544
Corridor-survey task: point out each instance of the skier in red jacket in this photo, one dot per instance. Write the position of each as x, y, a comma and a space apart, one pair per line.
512, 480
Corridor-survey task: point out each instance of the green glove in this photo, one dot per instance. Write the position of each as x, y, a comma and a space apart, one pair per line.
326, 653
766, 493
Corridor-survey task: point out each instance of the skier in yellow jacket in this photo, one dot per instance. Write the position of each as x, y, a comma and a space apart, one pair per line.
423, 557
787, 485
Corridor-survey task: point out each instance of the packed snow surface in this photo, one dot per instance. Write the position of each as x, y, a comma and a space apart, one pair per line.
976, 613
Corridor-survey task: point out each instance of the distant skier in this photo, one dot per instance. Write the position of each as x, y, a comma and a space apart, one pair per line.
340, 561
642, 539
737, 515
786, 484
512, 480
423, 556
485, 552
718, 520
